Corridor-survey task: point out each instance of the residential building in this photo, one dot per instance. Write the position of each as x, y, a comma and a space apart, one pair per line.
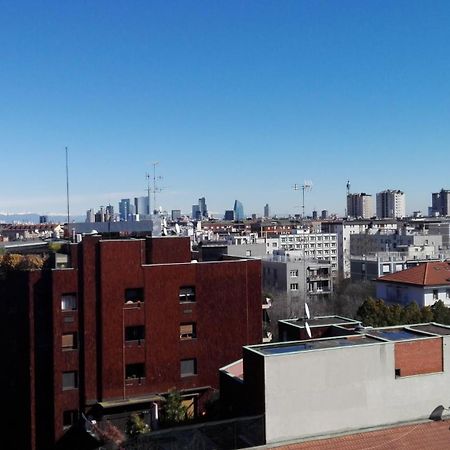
348, 381
424, 284
440, 203
359, 206
90, 216
238, 210
128, 320
176, 215
347, 228
391, 204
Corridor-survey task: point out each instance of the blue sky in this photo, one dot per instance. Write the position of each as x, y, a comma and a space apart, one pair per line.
235, 99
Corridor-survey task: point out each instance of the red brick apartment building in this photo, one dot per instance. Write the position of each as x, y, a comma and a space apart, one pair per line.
128, 321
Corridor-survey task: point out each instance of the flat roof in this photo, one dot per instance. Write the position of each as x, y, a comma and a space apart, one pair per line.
321, 321
314, 344
363, 337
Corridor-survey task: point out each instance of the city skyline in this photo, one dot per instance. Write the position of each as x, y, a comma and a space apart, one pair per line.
239, 100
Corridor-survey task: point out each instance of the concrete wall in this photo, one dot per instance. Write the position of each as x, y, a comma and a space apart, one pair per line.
348, 388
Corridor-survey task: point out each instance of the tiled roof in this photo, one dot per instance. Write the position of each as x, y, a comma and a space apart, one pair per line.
428, 435
433, 273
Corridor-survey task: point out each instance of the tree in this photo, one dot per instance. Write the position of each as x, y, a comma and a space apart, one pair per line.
441, 313
136, 425
174, 411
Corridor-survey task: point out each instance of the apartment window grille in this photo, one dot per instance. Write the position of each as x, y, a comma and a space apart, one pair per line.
294, 286
293, 273
134, 295
188, 331
188, 367
187, 294
69, 341
68, 302
69, 380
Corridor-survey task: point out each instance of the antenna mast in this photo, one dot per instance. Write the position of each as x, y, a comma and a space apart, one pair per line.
156, 188
67, 192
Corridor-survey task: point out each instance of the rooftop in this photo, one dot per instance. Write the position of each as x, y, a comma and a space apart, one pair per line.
364, 336
433, 273
417, 436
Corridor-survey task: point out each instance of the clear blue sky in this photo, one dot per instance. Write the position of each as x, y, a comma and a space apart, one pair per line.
235, 99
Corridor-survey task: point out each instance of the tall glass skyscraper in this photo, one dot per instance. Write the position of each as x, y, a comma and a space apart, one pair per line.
238, 210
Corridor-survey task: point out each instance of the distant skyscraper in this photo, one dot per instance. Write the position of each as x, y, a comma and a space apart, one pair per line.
359, 205
43, 219
238, 210
126, 209
314, 215
229, 214
203, 207
324, 214
176, 214
90, 216
391, 204
196, 213
440, 203
142, 206
266, 211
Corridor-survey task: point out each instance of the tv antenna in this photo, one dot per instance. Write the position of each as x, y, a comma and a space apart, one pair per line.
306, 186
156, 188
67, 192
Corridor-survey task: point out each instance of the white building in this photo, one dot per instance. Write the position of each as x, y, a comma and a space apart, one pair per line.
424, 284
348, 382
359, 206
391, 204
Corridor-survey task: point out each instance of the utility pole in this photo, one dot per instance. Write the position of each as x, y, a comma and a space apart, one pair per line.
307, 185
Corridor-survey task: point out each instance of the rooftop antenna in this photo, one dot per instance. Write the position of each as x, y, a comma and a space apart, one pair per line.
156, 188
67, 192
306, 186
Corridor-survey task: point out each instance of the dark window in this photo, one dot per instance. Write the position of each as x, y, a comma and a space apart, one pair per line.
188, 331
187, 294
69, 341
136, 370
69, 418
135, 333
188, 367
68, 302
134, 295
435, 294
398, 373
69, 380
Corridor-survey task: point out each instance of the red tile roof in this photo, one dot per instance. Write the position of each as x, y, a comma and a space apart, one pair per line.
432, 273
428, 435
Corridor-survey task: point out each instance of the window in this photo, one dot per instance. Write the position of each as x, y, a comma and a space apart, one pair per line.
188, 367
188, 331
447, 293
293, 273
135, 333
69, 380
435, 294
69, 418
187, 294
294, 286
248, 253
68, 302
136, 370
134, 295
69, 341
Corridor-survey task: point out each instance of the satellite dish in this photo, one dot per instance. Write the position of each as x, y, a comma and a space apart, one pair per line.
308, 330
307, 313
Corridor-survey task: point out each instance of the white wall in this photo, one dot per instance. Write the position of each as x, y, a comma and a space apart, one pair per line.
334, 390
